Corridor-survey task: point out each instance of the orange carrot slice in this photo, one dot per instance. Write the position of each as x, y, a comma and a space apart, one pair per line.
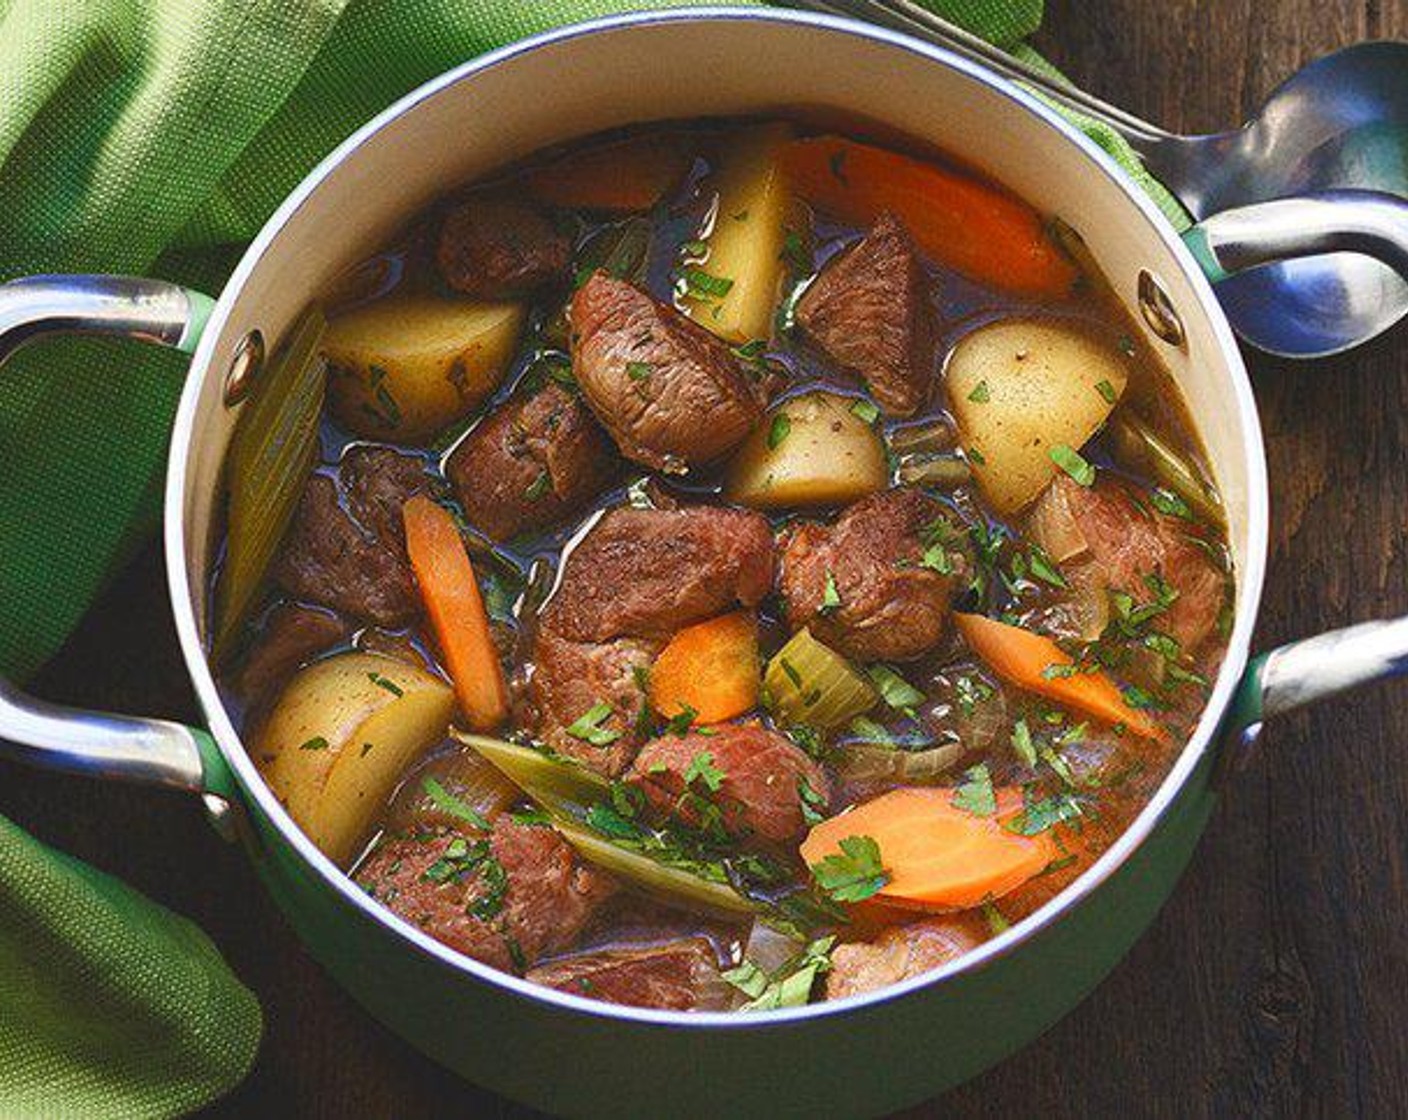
631, 174
1024, 659
936, 855
712, 667
451, 594
982, 232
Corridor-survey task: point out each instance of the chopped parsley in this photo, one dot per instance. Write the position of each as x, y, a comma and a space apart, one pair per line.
897, 692
452, 806
794, 252
866, 410
1022, 743
462, 859
679, 725
981, 394
588, 726
1074, 464
813, 804
976, 456
701, 283
790, 985
1042, 814
830, 597
1106, 390
971, 692
538, 487
976, 795
853, 874
317, 743
701, 768
384, 682
1166, 501
778, 430
997, 921
639, 371
1044, 568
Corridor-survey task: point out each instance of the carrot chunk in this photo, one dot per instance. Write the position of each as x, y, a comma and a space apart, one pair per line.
937, 856
631, 174
451, 594
1038, 664
711, 668
981, 232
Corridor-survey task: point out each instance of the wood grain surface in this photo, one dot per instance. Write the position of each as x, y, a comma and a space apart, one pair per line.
1276, 980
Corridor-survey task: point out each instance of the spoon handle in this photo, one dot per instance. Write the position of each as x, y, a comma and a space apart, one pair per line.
916, 20
1370, 222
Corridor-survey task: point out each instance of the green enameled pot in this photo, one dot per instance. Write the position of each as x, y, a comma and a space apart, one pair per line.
863, 1055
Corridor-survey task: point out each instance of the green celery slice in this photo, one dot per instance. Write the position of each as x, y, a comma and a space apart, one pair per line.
274, 447
812, 684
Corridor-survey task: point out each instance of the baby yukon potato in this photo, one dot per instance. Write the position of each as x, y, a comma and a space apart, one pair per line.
734, 290
340, 737
1019, 388
811, 450
405, 367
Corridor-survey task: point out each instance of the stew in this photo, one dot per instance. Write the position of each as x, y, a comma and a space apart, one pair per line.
719, 566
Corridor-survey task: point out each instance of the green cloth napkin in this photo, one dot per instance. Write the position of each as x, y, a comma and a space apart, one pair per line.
154, 137
109, 1004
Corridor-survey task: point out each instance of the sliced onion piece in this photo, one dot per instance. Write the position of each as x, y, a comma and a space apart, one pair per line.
1052, 524
875, 762
458, 776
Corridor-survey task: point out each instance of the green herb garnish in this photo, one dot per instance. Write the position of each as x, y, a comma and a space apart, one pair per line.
853, 874
701, 768
1074, 464
981, 394
830, 597
866, 410
588, 726
976, 795
383, 682
317, 743
897, 692
778, 430
1106, 390
452, 806
698, 282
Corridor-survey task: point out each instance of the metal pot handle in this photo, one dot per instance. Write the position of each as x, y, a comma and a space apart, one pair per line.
1305, 672
151, 751
1373, 223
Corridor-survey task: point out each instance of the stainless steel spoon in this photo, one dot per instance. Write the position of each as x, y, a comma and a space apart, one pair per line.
1324, 268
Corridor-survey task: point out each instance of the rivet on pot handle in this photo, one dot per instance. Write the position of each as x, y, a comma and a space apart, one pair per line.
1306, 672
152, 751
1369, 222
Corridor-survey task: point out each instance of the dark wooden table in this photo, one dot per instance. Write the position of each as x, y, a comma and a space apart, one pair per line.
1276, 981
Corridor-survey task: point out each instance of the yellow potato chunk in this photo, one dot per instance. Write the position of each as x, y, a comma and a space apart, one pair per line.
340, 737
405, 367
1019, 388
735, 288
811, 450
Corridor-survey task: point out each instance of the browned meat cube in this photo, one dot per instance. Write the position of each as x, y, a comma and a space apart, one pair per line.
649, 572
533, 462
347, 550
869, 311
901, 952
859, 584
1129, 542
491, 246
752, 781
570, 679
507, 899
670, 393
674, 976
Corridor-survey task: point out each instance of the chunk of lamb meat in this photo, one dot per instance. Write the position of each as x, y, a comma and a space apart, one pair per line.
292, 635
532, 462
763, 781
1126, 542
670, 393
901, 952
648, 572
491, 246
869, 311
346, 548
890, 607
674, 976
449, 884
570, 678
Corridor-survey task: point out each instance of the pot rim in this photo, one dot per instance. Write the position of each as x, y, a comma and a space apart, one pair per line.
1249, 577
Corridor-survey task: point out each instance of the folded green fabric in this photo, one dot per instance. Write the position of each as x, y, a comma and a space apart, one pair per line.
109, 1004
154, 137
